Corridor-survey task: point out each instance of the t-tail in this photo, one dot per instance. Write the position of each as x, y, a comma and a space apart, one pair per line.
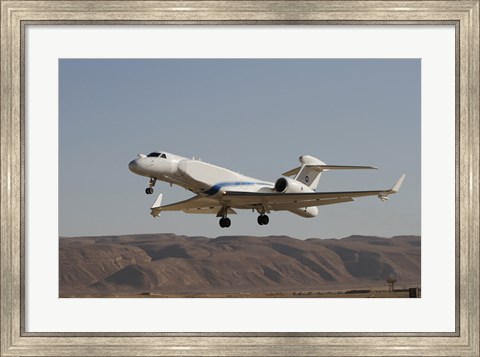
312, 168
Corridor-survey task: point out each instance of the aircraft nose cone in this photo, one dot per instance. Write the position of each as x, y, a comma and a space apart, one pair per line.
133, 166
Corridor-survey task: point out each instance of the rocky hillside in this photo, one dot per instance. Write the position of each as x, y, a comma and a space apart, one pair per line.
167, 263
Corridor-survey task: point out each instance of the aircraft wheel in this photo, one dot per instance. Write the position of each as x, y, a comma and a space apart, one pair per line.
149, 190
260, 220
265, 219
227, 222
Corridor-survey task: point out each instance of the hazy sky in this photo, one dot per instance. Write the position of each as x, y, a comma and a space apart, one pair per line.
255, 116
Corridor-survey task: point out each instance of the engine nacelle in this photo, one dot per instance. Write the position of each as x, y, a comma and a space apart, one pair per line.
288, 185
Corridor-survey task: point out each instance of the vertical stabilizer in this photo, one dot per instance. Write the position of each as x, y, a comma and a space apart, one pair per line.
309, 173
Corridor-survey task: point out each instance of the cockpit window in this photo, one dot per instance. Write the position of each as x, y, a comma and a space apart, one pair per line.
157, 154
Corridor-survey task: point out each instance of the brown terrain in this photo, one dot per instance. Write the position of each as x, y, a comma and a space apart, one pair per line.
167, 265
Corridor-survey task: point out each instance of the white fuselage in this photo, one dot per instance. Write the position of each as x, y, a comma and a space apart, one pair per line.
197, 176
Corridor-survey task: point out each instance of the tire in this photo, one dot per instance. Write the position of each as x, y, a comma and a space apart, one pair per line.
265, 220
260, 220
227, 222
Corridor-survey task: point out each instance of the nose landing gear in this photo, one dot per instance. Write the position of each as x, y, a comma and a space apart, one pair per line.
263, 219
151, 183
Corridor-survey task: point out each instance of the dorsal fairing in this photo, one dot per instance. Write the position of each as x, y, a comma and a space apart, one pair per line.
206, 176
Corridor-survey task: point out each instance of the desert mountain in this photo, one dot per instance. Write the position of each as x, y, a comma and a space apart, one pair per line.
167, 263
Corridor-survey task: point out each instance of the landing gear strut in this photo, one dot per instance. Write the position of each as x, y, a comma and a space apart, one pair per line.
225, 222
151, 183
263, 219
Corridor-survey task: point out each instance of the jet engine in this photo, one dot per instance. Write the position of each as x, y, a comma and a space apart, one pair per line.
288, 185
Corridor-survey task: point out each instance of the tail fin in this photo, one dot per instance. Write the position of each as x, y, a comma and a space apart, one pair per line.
310, 171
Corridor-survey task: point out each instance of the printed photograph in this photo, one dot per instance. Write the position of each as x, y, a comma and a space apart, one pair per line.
240, 178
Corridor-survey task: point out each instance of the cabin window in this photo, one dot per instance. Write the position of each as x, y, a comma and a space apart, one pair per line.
163, 156
154, 154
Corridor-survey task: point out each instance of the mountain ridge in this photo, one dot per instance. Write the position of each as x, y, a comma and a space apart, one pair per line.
168, 263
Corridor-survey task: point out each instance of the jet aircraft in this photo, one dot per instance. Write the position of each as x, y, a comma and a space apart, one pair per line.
221, 191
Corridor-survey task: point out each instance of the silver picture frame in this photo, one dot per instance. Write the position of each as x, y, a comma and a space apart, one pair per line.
17, 15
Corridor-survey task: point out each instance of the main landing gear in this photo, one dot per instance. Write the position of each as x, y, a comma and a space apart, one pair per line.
225, 222
263, 220
151, 183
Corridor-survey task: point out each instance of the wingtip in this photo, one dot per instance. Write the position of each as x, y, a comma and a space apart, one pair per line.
155, 212
398, 184
158, 202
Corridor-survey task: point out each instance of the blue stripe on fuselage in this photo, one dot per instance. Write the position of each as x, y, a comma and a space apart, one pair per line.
215, 188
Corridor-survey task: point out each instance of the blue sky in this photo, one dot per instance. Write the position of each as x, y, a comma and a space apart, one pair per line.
255, 116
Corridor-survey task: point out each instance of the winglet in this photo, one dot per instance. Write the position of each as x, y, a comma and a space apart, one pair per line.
384, 194
397, 185
155, 209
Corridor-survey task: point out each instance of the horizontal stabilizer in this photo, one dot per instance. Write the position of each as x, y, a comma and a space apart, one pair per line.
292, 171
342, 167
327, 167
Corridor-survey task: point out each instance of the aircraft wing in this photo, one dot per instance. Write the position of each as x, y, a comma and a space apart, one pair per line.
242, 199
299, 200
197, 204
294, 200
